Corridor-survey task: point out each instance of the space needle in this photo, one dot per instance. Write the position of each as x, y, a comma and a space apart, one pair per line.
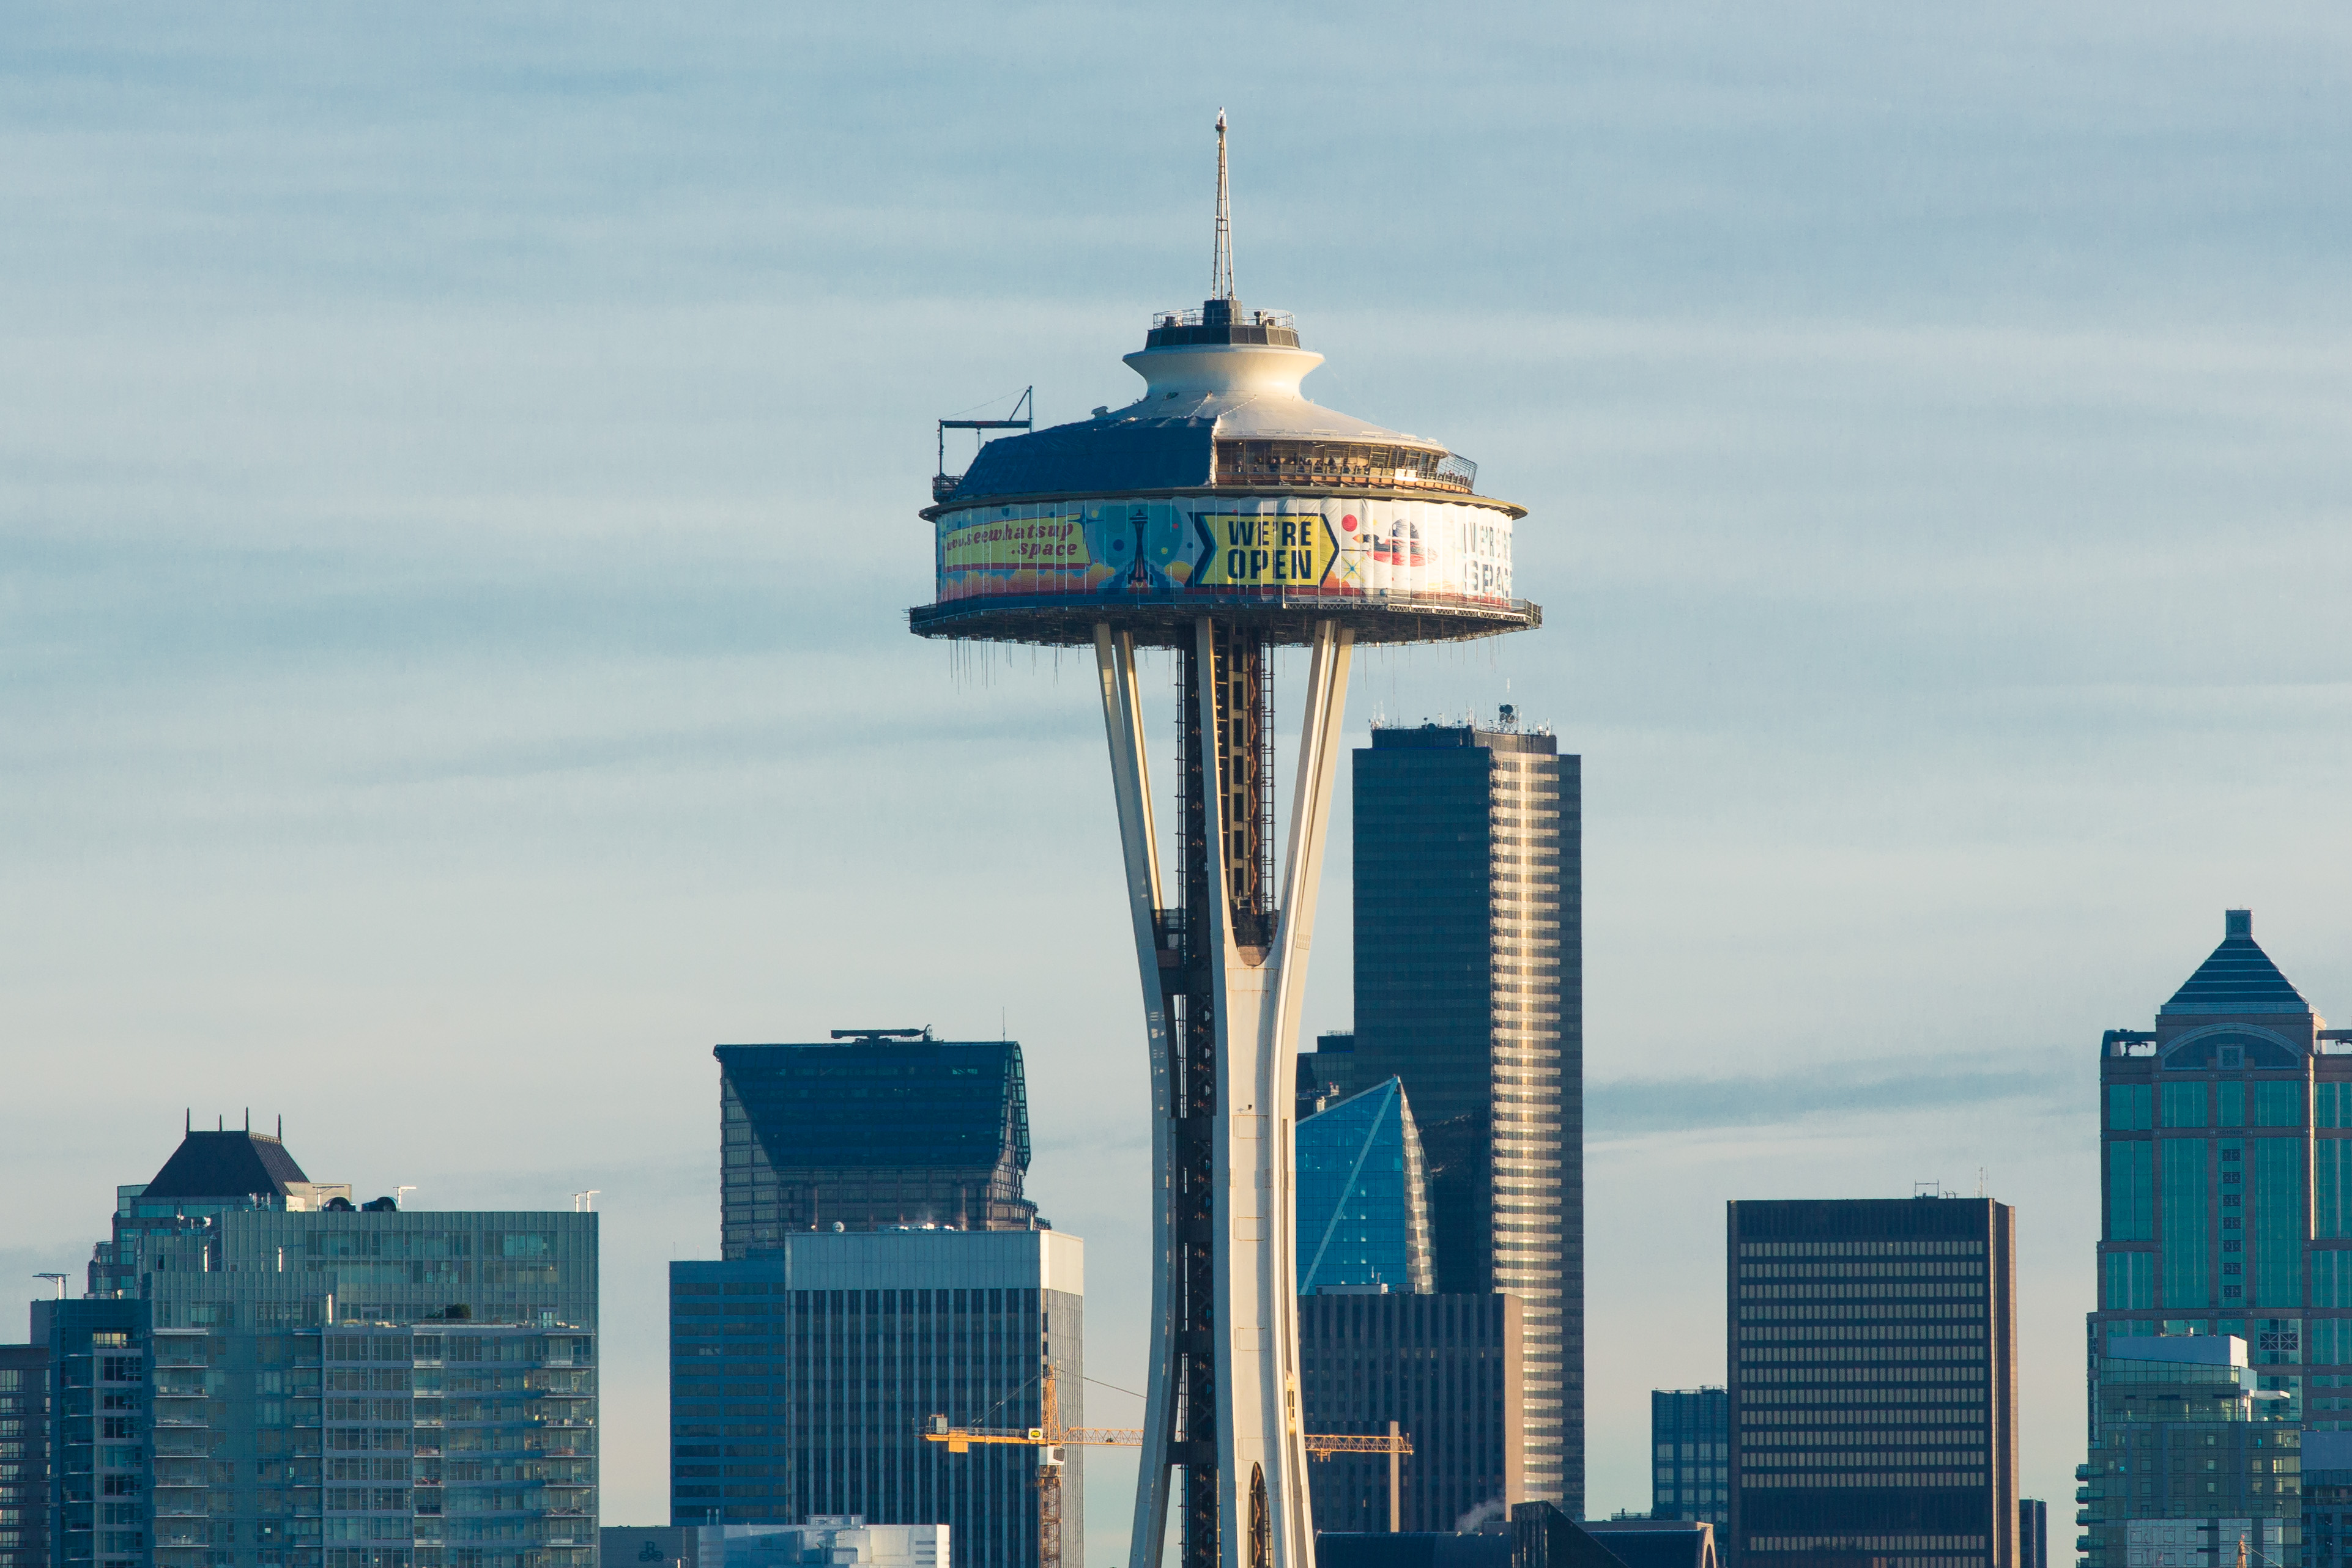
1222, 514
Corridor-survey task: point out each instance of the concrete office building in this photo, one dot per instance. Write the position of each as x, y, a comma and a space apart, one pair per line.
1450, 1371
940, 1136
802, 1381
1872, 1400
1364, 1196
2189, 1457
1469, 989
23, 1456
1690, 1454
258, 1383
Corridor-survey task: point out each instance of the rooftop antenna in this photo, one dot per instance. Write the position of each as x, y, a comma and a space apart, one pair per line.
1023, 417
1220, 270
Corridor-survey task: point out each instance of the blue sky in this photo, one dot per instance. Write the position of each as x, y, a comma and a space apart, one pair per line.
458, 470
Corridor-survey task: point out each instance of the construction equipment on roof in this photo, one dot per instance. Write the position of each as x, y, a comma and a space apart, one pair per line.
1052, 1438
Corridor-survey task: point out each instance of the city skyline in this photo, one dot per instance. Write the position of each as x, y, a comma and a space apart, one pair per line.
435, 658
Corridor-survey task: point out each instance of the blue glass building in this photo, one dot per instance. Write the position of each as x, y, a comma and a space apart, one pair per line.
1690, 1445
802, 1381
1364, 1196
877, 1128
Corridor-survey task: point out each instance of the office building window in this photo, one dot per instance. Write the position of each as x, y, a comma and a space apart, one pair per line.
2131, 1281
2187, 1245
2131, 1206
2278, 1218
2278, 1104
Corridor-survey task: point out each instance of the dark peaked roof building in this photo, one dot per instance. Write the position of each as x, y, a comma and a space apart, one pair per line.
225, 1165
2238, 980
210, 1173
881, 1129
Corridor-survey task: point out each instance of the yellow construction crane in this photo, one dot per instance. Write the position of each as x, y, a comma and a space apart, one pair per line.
1052, 1438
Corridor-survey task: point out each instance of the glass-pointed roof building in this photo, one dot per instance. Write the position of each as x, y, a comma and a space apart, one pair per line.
2226, 1156
1363, 1197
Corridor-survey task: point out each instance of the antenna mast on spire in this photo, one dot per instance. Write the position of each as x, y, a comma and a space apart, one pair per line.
1221, 271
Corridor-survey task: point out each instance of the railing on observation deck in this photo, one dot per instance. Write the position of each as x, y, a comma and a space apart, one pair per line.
1211, 324
1323, 463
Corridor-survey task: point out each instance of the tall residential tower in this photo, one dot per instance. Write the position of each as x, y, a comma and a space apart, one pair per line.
1469, 988
263, 1375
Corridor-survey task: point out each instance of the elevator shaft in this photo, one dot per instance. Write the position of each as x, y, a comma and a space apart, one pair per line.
1235, 763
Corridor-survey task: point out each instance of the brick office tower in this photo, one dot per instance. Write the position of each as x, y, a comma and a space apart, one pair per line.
1469, 988
2223, 1152
881, 1128
1873, 1389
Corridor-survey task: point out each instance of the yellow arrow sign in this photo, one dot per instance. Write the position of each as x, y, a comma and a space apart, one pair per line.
1271, 550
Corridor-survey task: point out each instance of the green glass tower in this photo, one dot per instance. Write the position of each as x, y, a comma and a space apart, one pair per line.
2223, 1156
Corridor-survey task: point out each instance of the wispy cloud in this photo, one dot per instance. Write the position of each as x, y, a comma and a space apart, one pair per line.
1629, 1107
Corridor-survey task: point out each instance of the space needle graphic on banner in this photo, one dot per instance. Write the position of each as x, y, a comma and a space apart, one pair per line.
1219, 516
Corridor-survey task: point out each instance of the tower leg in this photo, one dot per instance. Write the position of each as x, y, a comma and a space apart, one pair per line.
1223, 1019
1260, 972
1131, 785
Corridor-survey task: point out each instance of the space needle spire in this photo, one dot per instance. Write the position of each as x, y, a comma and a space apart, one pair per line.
1219, 518
1221, 269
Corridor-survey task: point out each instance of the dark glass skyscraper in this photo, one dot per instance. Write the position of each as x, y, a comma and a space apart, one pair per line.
1469, 988
1449, 1371
1873, 1389
1364, 1196
1690, 1438
802, 1382
23, 1456
882, 1128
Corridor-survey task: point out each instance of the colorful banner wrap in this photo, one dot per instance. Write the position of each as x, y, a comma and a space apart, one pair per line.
1221, 546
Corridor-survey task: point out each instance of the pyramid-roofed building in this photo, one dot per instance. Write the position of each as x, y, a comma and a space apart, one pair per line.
2238, 980
218, 1164
2226, 1200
